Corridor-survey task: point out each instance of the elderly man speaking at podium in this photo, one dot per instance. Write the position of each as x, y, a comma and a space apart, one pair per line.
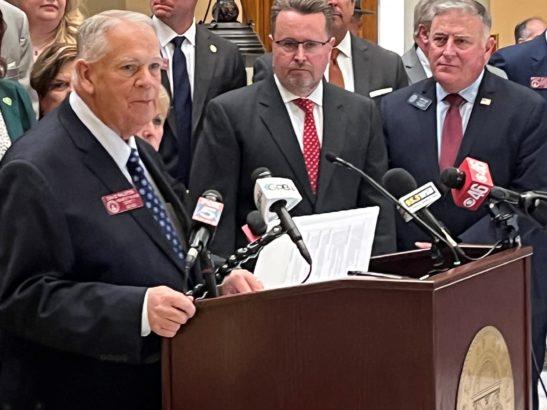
92, 238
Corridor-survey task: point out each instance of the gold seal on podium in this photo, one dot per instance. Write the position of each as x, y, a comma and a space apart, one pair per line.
486, 381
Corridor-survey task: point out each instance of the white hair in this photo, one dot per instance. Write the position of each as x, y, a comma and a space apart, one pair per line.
92, 43
471, 7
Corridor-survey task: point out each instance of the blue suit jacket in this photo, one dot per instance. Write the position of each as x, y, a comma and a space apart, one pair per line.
523, 61
74, 277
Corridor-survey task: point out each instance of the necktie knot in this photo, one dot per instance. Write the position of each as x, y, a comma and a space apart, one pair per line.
305, 104
177, 41
334, 55
455, 100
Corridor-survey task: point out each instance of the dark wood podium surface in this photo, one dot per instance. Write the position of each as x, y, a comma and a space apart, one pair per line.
356, 343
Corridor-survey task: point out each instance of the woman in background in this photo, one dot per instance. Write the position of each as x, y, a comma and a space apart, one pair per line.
153, 131
16, 115
51, 75
53, 21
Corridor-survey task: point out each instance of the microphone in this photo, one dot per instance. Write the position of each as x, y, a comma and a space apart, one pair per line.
274, 197
255, 226
450, 243
471, 183
205, 220
402, 185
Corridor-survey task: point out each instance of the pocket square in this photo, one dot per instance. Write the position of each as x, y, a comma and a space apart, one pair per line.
382, 91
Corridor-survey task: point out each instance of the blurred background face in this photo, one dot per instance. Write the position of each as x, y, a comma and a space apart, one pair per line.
153, 131
342, 12
43, 10
172, 9
58, 89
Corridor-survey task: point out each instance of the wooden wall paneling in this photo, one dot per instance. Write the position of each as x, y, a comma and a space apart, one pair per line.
370, 21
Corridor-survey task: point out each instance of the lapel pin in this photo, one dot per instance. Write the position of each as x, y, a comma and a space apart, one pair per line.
486, 101
213, 48
7, 101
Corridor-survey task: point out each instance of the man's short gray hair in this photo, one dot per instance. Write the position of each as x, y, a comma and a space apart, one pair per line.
471, 7
92, 44
423, 15
302, 7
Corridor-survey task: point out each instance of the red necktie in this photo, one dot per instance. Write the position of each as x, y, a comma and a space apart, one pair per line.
335, 74
310, 142
452, 132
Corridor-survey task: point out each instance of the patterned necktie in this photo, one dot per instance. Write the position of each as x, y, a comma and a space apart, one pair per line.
311, 149
452, 132
153, 203
5, 141
182, 101
335, 74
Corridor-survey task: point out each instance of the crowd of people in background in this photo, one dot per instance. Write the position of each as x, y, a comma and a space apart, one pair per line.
359, 100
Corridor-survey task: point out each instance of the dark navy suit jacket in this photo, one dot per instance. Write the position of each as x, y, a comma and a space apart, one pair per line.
74, 277
523, 61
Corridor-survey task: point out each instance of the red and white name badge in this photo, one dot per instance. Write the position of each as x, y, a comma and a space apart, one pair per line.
122, 201
538, 83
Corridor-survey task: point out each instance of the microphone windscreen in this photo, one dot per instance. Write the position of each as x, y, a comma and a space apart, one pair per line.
213, 195
261, 172
453, 178
330, 157
398, 182
256, 223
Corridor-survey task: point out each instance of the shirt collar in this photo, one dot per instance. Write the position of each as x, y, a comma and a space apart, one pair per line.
316, 96
345, 45
469, 93
423, 59
116, 147
166, 34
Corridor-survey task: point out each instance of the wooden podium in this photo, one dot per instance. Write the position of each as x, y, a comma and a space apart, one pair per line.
356, 343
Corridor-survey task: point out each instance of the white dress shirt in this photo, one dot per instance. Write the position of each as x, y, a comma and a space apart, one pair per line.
469, 94
297, 115
120, 151
345, 62
424, 62
165, 35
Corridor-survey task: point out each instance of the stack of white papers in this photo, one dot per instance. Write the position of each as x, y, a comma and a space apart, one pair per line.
338, 242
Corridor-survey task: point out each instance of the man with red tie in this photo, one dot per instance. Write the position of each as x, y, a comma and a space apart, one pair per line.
287, 123
466, 111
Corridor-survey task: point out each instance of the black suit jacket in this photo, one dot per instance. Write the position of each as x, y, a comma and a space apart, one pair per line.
374, 68
523, 61
74, 277
250, 128
509, 135
219, 68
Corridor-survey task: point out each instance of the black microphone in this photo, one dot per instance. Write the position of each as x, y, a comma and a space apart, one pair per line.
271, 197
205, 220
255, 226
399, 182
447, 240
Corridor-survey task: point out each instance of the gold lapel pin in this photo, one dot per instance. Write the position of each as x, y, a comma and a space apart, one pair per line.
7, 101
213, 48
486, 101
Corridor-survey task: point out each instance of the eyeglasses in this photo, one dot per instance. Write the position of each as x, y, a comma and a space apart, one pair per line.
291, 46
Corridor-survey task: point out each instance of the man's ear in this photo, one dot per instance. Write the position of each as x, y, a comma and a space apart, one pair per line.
489, 47
83, 72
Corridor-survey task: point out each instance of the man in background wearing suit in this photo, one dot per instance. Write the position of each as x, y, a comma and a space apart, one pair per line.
355, 64
465, 111
92, 237
200, 66
526, 63
415, 59
287, 123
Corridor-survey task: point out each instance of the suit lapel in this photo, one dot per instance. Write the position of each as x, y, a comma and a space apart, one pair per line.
361, 66
539, 57
334, 138
482, 117
171, 116
101, 164
274, 115
204, 67
426, 140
